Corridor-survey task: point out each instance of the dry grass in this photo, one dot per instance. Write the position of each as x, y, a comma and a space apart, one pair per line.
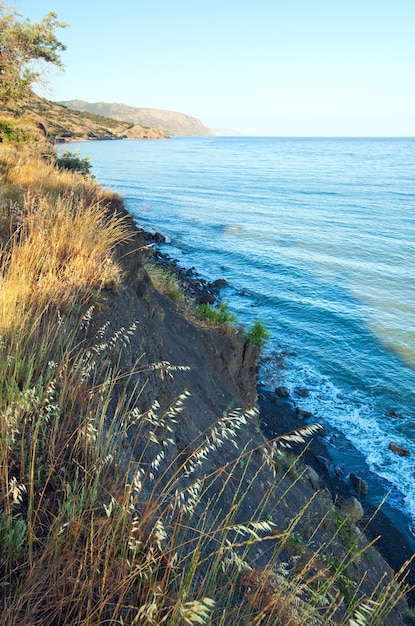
58, 241
164, 279
31, 167
60, 255
87, 539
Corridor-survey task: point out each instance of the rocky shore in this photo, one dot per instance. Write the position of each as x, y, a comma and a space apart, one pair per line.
332, 463
163, 482
335, 472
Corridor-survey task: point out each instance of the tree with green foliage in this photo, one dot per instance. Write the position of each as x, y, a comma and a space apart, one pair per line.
25, 48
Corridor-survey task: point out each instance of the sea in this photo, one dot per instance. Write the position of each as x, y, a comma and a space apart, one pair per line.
316, 238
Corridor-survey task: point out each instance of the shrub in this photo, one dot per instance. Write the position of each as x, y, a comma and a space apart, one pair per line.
9, 132
216, 315
73, 162
258, 334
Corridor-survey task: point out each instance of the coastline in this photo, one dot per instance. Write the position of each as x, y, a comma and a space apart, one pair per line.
385, 524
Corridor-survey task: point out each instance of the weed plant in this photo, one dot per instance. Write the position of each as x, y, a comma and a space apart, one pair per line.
164, 279
258, 334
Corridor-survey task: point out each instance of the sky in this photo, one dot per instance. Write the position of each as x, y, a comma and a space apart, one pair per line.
263, 67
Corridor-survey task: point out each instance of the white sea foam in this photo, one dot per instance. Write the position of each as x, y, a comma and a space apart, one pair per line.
357, 417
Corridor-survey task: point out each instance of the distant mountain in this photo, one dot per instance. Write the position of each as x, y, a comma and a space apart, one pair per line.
170, 122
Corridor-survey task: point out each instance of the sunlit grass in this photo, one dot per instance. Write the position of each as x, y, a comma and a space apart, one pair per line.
58, 247
91, 537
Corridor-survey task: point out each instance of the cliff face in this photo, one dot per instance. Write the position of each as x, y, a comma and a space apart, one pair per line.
170, 122
220, 367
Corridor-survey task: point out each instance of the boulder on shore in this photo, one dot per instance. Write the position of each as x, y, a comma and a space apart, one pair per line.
352, 508
359, 485
282, 392
313, 477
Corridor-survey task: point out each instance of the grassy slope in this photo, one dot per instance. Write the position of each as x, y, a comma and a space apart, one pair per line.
62, 124
107, 513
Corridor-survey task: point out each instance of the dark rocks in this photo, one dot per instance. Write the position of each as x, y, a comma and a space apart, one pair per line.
352, 508
196, 288
339, 471
153, 237
323, 461
359, 485
398, 450
303, 413
218, 283
159, 238
394, 414
301, 392
202, 297
282, 392
313, 477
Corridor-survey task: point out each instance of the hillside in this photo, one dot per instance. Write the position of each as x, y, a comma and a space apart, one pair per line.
170, 122
63, 124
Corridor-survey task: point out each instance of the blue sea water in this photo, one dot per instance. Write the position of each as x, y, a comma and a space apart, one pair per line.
316, 237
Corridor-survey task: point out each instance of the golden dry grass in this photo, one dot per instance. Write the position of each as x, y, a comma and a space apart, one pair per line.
31, 167
58, 240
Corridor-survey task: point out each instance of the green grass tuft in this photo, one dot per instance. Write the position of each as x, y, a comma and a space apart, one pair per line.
216, 315
258, 334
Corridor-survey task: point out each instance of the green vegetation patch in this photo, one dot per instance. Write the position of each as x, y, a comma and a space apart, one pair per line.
164, 279
216, 315
73, 162
11, 133
258, 334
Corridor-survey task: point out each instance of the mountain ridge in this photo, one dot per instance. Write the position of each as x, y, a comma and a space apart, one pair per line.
170, 122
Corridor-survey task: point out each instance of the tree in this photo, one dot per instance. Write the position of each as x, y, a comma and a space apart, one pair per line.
24, 48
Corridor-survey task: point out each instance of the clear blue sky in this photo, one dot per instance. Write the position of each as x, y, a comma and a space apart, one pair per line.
263, 67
